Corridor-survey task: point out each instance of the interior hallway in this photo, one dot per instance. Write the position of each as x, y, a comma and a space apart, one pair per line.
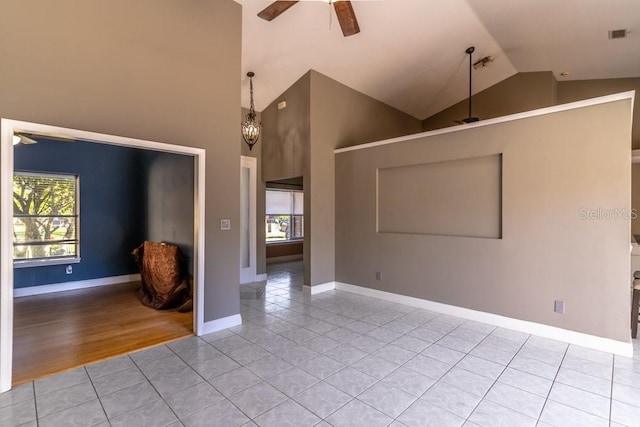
63, 330
340, 359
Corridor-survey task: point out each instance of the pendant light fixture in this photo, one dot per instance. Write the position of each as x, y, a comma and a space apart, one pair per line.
469, 118
250, 127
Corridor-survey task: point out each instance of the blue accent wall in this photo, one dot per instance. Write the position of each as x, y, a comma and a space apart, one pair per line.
112, 212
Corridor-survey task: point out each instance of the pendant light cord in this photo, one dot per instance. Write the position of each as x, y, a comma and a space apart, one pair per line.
470, 52
251, 109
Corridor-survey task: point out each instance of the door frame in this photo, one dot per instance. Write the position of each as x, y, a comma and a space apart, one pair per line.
7, 128
248, 275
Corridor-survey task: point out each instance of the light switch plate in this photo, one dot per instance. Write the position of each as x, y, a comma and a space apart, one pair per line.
225, 224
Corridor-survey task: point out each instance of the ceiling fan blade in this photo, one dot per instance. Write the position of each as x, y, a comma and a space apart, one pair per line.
31, 137
347, 18
23, 139
275, 9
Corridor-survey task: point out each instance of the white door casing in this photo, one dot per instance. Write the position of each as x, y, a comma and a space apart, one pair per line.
248, 184
7, 128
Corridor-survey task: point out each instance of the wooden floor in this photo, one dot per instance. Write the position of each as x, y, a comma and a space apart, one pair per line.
64, 330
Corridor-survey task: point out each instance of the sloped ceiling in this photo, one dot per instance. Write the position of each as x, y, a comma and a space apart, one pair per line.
411, 55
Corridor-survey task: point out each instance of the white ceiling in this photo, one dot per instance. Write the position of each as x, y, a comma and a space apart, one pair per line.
410, 54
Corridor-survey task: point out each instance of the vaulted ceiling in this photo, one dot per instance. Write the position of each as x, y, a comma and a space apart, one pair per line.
410, 54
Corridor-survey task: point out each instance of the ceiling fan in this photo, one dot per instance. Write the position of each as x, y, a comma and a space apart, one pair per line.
343, 8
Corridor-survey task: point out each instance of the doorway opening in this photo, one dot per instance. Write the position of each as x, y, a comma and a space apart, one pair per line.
196, 257
284, 220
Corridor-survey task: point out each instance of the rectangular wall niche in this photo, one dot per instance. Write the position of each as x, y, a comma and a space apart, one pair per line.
451, 198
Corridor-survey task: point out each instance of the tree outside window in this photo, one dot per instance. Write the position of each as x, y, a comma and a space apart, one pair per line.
45, 216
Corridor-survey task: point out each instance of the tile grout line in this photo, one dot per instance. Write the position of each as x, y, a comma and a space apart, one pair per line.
552, 383
61, 389
442, 376
494, 381
401, 365
35, 403
97, 396
154, 387
262, 380
613, 374
204, 380
437, 380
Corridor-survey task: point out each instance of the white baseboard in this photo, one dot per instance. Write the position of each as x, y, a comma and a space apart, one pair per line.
572, 337
256, 278
69, 286
317, 289
220, 324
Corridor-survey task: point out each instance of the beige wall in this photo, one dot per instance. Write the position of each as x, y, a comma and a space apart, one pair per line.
286, 133
152, 69
256, 151
322, 115
340, 117
582, 89
577, 90
528, 91
553, 167
518, 93
459, 186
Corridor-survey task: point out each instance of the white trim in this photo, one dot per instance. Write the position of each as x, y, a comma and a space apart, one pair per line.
578, 338
198, 241
44, 262
220, 324
257, 278
101, 138
69, 286
6, 256
248, 274
7, 128
318, 289
518, 116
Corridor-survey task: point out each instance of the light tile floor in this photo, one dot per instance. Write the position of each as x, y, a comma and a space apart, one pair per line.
339, 359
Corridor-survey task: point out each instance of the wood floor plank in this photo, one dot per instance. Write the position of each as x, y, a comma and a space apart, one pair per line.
56, 332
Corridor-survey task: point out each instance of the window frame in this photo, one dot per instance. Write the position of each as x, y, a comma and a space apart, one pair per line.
54, 260
290, 216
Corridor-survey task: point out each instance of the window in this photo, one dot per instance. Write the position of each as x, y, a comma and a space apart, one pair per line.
45, 218
284, 209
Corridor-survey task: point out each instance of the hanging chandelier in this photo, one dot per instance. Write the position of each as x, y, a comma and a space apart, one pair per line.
250, 127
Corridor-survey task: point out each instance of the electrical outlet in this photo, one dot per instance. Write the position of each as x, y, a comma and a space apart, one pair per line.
378, 275
559, 307
225, 224
69, 269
